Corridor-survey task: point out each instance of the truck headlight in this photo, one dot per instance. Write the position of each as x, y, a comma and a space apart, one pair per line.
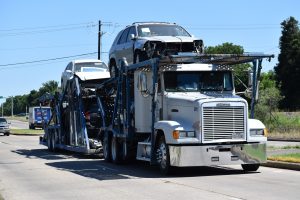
183, 134
257, 132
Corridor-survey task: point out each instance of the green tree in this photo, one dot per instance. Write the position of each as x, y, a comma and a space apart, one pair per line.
269, 97
31, 99
240, 71
288, 67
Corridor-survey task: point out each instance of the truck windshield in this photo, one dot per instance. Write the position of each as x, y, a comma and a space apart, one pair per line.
151, 30
197, 81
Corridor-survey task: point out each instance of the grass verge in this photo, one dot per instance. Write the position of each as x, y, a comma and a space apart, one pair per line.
22, 119
1, 198
284, 147
285, 135
293, 157
26, 131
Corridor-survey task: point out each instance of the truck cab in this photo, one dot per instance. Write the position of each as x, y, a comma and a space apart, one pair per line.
200, 118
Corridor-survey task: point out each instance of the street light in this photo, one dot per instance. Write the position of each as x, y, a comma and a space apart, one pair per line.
12, 104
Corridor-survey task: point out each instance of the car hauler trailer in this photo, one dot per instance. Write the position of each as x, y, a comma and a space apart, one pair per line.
75, 121
182, 111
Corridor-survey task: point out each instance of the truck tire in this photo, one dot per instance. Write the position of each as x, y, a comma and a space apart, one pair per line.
163, 156
115, 150
31, 126
49, 142
106, 148
250, 167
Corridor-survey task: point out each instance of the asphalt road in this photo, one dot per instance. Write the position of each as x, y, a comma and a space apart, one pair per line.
16, 124
29, 171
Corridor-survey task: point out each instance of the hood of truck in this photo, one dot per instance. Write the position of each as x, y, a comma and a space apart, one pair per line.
194, 98
92, 75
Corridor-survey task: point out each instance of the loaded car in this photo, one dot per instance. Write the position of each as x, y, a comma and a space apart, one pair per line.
4, 126
86, 70
143, 40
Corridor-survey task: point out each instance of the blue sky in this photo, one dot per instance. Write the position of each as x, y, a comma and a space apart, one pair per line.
35, 30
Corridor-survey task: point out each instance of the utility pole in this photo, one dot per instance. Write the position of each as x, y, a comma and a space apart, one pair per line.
99, 41
12, 106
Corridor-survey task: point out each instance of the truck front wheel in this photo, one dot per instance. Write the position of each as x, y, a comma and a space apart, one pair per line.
250, 167
163, 156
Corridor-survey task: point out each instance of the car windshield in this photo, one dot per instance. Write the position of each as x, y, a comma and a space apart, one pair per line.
151, 30
197, 81
2, 120
91, 67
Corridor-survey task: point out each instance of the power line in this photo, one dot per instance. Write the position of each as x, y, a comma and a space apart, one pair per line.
45, 27
45, 60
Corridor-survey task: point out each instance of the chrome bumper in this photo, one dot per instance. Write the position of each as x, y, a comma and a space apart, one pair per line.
183, 156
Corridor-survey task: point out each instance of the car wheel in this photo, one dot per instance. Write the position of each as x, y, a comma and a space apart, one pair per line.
163, 156
250, 167
113, 70
140, 56
7, 134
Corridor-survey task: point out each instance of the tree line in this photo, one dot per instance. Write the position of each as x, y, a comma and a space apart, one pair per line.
21, 102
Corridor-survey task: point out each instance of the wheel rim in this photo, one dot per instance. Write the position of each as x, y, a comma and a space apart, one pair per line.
113, 149
162, 155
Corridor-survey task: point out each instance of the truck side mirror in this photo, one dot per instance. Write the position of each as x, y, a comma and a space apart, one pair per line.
132, 37
142, 84
250, 78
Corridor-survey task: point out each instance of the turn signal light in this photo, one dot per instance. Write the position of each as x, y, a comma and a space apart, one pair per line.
176, 134
265, 132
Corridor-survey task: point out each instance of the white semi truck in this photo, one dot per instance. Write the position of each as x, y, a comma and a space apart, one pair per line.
182, 111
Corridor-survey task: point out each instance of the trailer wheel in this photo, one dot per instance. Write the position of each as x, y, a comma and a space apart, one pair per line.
49, 142
115, 150
250, 167
106, 147
163, 156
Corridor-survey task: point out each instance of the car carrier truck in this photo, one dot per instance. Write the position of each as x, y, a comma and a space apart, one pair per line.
182, 111
176, 111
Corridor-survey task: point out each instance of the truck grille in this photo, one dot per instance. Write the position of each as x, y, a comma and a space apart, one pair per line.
223, 123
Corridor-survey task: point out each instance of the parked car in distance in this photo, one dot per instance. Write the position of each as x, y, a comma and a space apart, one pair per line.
86, 70
143, 40
4, 126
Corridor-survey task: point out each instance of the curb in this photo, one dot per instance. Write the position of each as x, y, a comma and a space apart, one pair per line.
284, 139
282, 165
29, 134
